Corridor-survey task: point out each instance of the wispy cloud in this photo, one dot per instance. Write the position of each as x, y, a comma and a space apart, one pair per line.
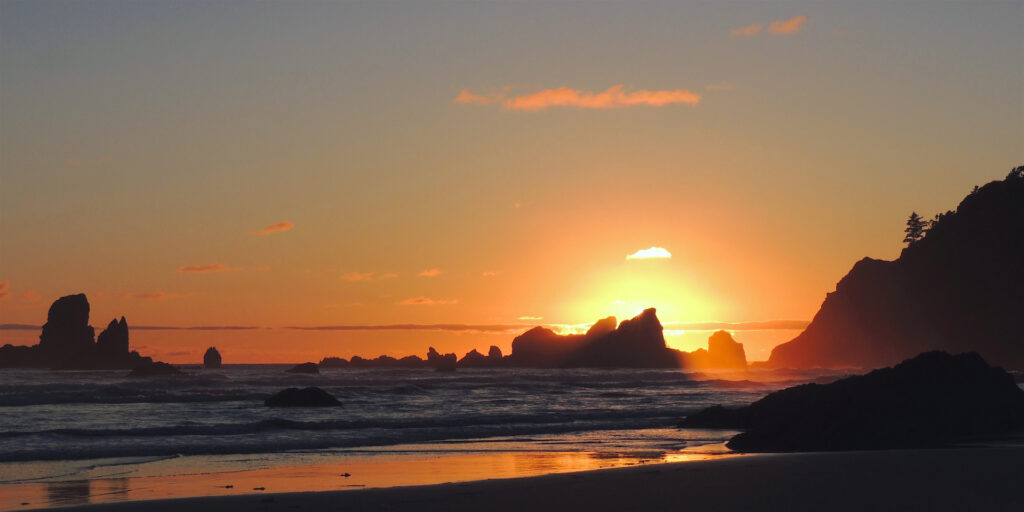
278, 227
417, 327
5, 289
651, 252
430, 272
488, 273
777, 27
207, 269
426, 301
747, 31
357, 276
767, 325
389, 275
148, 295
790, 26
616, 96
531, 318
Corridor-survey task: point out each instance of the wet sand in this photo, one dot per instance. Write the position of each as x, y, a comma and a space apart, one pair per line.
974, 478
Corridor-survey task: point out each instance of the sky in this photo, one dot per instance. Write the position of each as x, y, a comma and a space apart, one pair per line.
264, 176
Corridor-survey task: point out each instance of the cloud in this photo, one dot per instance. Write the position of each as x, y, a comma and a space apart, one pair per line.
722, 86
27, 327
652, 252
30, 296
615, 96
748, 31
467, 98
5, 289
531, 318
357, 276
790, 26
430, 272
207, 269
768, 325
262, 268
417, 327
488, 273
426, 301
279, 227
149, 295
390, 275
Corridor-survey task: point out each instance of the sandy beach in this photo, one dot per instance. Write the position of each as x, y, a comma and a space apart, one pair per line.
971, 478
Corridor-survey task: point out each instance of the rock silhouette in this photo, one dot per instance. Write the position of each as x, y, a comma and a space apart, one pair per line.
66, 342
310, 368
957, 289
930, 400
635, 343
211, 359
305, 397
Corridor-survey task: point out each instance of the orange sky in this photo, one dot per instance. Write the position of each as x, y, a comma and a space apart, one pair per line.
478, 164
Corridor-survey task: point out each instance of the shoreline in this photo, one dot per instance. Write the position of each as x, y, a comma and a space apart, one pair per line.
961, 478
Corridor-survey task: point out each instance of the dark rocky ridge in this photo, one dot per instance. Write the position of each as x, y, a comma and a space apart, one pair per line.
635, 343
66, 342
931, 400
960, 288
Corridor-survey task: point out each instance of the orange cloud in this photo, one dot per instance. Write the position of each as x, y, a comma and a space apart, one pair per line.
279, 227
148, 296
5, 289
790, 26
426, 301
206, 269
389, 276
467, 98
750, 30
430, 272
357, 276
615, 96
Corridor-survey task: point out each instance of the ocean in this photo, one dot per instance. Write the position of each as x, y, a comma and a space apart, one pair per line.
62, 428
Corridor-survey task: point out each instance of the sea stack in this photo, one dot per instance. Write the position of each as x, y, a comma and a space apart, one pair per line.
211, 359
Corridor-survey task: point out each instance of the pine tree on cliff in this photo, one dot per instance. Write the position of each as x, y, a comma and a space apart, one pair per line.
916, 227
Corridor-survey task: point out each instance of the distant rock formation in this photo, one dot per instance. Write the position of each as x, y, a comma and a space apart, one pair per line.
67, 330
930, 400
151, 369
334, 362
441, 363
66, 342
958, 289
723, 353
306, 397
310, 368
474, 359
211, 359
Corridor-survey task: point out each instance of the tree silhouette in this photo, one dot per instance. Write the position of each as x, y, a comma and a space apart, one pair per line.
916, 227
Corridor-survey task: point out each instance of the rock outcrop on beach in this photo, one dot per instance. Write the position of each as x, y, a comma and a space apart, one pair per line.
305, 397
310, 368
931, 400
957, 289
474, 359
66, 342
211, 359
151, 369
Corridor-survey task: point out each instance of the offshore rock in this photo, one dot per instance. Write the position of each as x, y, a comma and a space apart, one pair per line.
306, 397
211, 359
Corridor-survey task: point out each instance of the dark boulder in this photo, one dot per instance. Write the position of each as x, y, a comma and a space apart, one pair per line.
211, 359
306, 397
154, 369
113, 341
310, 368
931, 400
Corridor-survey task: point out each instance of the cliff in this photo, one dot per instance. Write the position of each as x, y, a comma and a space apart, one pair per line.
959, 289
